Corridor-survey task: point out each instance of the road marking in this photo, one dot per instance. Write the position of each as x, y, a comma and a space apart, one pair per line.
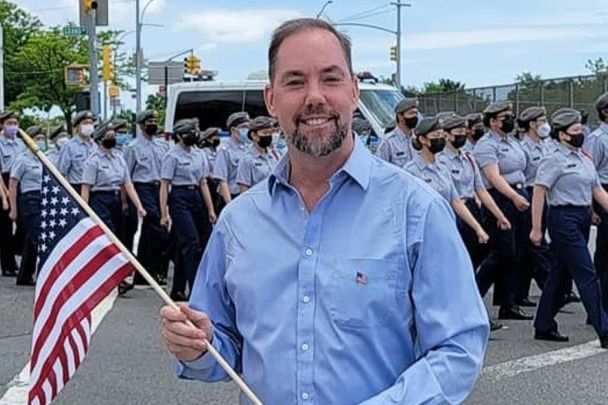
527, 364
18, 386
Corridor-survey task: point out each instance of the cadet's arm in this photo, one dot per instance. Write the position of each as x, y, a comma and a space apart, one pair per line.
601, 196
498, 182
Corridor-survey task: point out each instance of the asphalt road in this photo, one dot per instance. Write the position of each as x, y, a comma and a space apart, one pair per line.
127, 363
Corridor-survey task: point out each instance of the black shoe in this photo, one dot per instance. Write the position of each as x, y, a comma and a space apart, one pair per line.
526, 302
553, 336
179, 296
494, 326
124, 287
514, 313
28, 283
604, 342
9, 273
570, 298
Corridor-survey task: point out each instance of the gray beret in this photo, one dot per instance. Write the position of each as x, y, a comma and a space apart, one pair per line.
236, 119
145, 116
209, 132
406, 104
261, 122
532, 113
564, 117
33, 131
474, 118
602, 102
7, 115
118, 123
454, 121
58, 130
498, 107
428, 124
186, 126
81, 116
360, 125
101, 130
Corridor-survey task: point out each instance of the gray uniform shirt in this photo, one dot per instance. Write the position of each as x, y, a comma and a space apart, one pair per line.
105, 171
534, 151
597, 145
27, 168
396, 148
255, 167
227, 162
506, 153
211, 157
144, 159
464, 171
10, 149
435, 175
468, 146
184, 168
53, 155
72, 158
569, 176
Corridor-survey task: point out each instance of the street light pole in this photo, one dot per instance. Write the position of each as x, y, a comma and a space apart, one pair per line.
327, 3
137, 58
399, 4
93, 74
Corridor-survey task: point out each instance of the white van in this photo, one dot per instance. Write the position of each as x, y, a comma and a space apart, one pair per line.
212, 102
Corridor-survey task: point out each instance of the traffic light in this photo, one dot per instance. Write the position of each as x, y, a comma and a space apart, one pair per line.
394, 55
107, 67
192, 65
89, 5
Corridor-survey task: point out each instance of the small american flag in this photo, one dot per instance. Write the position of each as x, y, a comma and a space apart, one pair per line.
361, 278
79, 267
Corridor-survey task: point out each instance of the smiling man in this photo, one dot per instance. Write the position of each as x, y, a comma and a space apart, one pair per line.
304, 310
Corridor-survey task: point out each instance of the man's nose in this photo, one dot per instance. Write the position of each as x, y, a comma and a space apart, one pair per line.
314, 94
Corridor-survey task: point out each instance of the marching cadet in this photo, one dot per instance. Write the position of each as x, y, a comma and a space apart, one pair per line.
123, 137
257, 164
78, 149
209, 143
230, 154
185, 171
144, 158
104, 176
469, 185
503, 162
10, 148
567, 179
475, 131
24, 189
363, 129
597, 146
424, 165
396, 148
279, 143
59, 136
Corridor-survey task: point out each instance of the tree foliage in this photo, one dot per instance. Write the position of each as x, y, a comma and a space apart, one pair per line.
157, 102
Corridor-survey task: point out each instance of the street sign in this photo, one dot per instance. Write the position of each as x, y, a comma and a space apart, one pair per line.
114, 91
74, 31
174, 74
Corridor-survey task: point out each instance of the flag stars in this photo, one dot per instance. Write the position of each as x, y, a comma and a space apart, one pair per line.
44, 202
43, 225
43, 236
55, 190
44, 214
54, 201
52, 223
53, 212
62, 223
52, 235
42, 248
74, 211
65, 201
45, 190
63, 212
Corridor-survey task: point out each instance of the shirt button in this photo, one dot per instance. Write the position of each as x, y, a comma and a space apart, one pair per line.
306, 299
305, 396
309, 252
305, 347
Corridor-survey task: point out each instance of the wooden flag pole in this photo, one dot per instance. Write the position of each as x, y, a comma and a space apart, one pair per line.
144, 273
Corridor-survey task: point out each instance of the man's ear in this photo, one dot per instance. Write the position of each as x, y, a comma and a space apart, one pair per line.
269, 100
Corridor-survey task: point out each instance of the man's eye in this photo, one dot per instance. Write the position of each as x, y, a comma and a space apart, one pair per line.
293, 83
332, 79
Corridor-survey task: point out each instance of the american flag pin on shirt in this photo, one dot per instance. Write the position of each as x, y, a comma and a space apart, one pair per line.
361, 278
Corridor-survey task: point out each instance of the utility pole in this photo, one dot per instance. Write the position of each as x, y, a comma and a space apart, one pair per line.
1, 68
399, 4
137, 58
93, 74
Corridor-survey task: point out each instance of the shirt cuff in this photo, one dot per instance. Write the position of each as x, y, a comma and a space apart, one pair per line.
205, 362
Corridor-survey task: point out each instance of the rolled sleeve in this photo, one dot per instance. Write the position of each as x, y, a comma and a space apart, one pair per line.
64, 161
244, 173
167, 171
130, 159
384, 151
485, 154
548, 172
450, 318
89, 172
18, 169
126, 178
220, 168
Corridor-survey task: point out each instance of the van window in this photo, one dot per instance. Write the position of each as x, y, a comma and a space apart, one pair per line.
212, 108
381, 103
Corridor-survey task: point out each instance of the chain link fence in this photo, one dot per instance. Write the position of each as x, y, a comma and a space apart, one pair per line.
578, 92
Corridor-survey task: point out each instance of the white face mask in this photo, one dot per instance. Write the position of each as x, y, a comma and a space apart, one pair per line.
544, 130
87, 129
60, 143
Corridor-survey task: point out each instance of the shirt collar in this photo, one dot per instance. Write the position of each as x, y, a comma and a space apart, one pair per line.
567, 151
450, 154
358, 167
604, 127
531, 143
420, 162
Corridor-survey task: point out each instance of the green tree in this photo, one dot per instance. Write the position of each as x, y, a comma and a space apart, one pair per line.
442, 86
597, 66
157, 102
18, 27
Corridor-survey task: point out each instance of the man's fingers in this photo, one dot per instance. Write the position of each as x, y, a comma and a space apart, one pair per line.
184, 341
200, 319
183, 329
172, 314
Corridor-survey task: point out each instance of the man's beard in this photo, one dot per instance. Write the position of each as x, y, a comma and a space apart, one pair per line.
317, 146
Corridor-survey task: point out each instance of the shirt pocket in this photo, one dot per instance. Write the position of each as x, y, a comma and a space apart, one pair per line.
363, 292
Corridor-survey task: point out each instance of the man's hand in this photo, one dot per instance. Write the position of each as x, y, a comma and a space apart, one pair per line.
521, 203
184, 341
503, 223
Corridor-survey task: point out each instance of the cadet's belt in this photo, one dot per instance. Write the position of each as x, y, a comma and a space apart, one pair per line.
149, 184
185, 187
517, 186
569, 206
106, 192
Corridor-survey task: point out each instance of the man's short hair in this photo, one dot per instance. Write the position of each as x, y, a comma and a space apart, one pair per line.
296, 26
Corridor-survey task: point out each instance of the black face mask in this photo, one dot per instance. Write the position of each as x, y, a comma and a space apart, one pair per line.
576, 140
108, 143
265, 141
478, 134
508, 124
459, 141
189, 139
150, 129
437, 145
411, 122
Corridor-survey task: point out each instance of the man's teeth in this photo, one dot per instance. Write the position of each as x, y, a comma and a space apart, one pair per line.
315, 121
